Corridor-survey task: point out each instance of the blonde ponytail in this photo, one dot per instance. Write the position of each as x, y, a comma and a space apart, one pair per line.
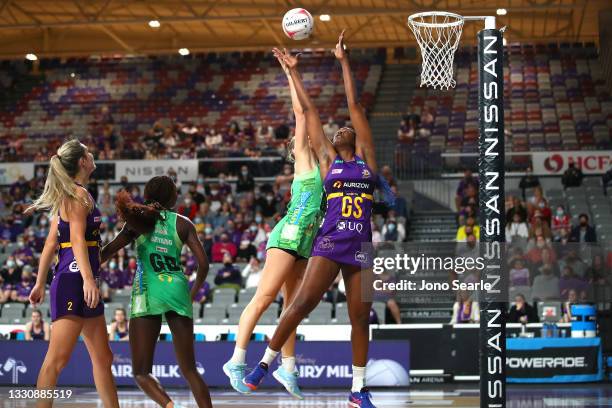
60, 184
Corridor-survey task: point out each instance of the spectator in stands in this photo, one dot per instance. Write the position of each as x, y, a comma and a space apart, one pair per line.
465, 310
539, 227
188, 207
519, 274
330, 128
113, 277
560, 221
545, 285
282, 131
246, 251
401, 206
516, 208
522, 312
583, 232
225, 189
392, 230
5, 291
11, 272
566, 307
572, 177
573, 260
606, 179
406, 133
130, 271
203, 295
213, 139
245, 181
267, 205
517, 231
264, 134
119, 328
21, 291
37, 328
569, 281
228, 276
469, 228
462, 189
136, 195
152, 140
223, 247
387, 173
598, 273
528, 181
23, 254
540, 251
251, 274
538, 203
169, 140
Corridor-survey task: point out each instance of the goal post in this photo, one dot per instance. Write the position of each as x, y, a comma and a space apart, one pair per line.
438, 35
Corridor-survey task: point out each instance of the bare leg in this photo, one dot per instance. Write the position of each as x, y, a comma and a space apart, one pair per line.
144, 332
320, 273
395, 310
182, 337
289, 291
359, 314
278, 268
64, 336
96, 340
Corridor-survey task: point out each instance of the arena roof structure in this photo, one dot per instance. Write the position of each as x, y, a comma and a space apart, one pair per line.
62, 28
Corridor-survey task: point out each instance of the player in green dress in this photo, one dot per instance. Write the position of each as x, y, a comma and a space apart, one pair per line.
287, 253
160, 287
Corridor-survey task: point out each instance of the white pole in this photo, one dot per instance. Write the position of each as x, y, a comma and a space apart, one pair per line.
490, 23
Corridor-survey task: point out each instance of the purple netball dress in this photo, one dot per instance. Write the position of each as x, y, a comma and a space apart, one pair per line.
349, 186
67, 286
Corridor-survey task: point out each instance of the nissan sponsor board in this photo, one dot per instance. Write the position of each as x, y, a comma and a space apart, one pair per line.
542, 360
320, 363
141, 171
555, 163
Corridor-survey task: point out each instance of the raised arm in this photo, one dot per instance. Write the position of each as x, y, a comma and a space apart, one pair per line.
122, 239
322, 147
364, 143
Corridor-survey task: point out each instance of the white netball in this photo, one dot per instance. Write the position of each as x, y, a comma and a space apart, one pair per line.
298, 24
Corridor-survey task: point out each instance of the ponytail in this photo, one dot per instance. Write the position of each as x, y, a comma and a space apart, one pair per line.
140, 218
60, 184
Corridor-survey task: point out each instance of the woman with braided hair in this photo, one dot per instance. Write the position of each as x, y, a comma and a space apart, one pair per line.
160, 286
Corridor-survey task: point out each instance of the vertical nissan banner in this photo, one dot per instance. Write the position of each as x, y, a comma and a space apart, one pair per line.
492, 339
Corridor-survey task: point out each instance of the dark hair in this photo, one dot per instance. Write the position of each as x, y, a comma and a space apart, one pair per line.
160, 194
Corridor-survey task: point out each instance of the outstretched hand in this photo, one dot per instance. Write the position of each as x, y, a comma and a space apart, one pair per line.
286, 60
340, 51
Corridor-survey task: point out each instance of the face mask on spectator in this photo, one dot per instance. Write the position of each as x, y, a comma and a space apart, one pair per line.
21, 244
560, 212
44, 222
105, 219
541, 204
10, 263
214, 192
230, 200
270, 198
112, 265
245, 173
253, 228
200, 180
197, 221
208, 230
200, 189
188, 201
391, 227
258, 219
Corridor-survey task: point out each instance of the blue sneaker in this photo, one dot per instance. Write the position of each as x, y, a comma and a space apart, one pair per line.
256, 376
235, 372
289, 381
361, 399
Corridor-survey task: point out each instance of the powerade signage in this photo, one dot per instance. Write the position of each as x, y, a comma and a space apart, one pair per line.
548, 360
321, 363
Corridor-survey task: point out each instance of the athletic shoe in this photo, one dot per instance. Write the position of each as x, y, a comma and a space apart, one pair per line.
289, 381
256, 376
361, 399
235, 372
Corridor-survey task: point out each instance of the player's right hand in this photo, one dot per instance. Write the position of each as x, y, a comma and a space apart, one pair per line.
37, 295
91, 293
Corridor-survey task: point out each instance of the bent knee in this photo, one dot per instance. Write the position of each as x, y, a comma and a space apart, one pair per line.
261, 302
103, 358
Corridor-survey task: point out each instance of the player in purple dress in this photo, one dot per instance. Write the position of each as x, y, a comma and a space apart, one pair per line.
348, 168
76, 308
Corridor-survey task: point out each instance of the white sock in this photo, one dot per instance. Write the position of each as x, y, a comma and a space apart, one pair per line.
289, 364
239, 356
269, 356
358, 378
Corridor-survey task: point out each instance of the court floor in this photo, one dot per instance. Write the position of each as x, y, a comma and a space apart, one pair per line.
457, 396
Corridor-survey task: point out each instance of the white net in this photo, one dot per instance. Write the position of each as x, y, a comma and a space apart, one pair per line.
438, 35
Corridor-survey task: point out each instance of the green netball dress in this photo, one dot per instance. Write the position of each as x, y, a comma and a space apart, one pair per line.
297, 230
160, 285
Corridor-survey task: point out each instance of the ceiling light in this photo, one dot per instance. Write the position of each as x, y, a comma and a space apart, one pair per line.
72, 75
324, 17
502, 12
31, 57
183, 51
154, 24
